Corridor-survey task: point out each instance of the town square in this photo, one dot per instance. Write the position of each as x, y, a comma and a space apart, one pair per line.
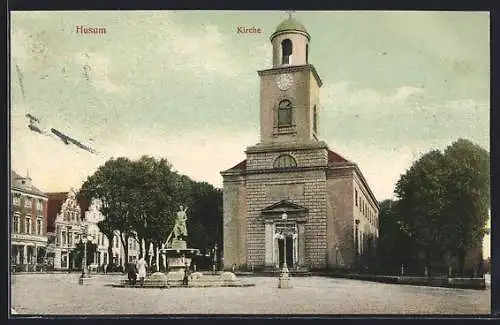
249, 163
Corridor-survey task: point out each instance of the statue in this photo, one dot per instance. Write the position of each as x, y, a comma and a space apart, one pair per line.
180, 223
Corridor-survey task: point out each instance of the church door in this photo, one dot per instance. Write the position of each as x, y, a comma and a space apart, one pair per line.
288, 242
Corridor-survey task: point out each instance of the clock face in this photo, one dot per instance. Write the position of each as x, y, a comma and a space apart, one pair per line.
284, 81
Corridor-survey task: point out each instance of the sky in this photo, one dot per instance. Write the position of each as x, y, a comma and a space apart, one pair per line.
184, 85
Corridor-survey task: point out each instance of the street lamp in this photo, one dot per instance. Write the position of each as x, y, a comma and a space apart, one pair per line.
284, 279
86, 238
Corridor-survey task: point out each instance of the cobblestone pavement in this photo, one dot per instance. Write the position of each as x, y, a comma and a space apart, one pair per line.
58, 294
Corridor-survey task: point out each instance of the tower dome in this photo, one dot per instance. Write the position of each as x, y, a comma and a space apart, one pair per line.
290, 25
290, 43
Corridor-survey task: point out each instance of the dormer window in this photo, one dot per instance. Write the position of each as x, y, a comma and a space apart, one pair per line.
286, 51
16, 199
28, 203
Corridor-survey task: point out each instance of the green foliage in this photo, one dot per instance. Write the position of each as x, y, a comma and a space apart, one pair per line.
140, 198
78, 253
444, 200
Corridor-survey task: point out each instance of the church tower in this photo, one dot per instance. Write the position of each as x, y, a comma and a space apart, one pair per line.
289, 91
293, 201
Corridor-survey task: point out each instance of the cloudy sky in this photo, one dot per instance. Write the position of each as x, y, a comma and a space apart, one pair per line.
183, 85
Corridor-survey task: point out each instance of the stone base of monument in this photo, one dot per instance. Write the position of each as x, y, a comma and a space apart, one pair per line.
84, 279
284, 279
196, 280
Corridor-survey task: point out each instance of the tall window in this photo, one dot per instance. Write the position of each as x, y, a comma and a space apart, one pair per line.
39, 226
27, 225
70, 238
285, 161
356, 196
315, 119
16, 223
285, 113
64, 239
286, 51
307, 53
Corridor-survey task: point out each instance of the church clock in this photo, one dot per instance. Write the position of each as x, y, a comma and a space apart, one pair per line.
284, 81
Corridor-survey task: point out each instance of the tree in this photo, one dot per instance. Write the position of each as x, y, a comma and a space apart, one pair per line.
112, 184
78, 253
444, 200
393, 246
107, 229
421, 193
468, 197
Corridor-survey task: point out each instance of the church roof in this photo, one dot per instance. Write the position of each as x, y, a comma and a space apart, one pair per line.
333, 157
27, 188
290, 24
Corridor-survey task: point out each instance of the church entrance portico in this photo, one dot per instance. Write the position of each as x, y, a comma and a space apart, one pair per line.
284, 225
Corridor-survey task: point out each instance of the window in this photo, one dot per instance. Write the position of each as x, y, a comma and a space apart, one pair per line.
286, 50
39, 205
16, 199
285, 113
70, 238
16, 223
307, 53
27, 225
64, 239
315, 119
285, 161
28, 203
39, 226
356, 196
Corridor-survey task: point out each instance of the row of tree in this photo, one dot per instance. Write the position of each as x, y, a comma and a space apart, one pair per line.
140, 199
441, 210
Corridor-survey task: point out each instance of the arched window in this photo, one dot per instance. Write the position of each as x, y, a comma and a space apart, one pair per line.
285, 161
285, 113
286, 51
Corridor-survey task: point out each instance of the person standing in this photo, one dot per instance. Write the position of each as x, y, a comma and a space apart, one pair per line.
141, 269
132, 272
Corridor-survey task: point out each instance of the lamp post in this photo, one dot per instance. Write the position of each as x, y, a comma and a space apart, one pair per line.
284, 279
336, 256
86, 237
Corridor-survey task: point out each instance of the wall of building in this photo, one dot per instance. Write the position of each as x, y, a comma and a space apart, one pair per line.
234, 221
340, 226
308, 189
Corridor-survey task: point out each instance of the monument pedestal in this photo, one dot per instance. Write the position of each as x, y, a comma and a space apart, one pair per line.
284, 279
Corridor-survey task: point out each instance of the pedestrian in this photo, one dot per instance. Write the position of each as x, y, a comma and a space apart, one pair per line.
132, 272
141, 269
185, 280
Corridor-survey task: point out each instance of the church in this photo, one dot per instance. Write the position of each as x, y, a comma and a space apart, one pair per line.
293, 199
